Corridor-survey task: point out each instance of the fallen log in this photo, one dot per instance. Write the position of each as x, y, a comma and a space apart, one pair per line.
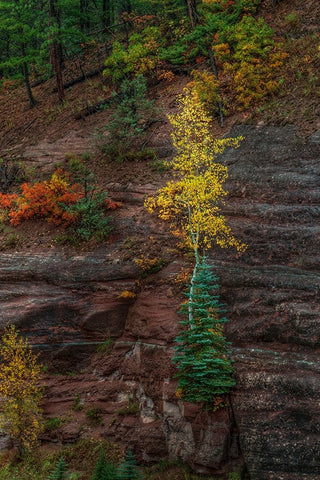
80, 79
91, 109
41, 81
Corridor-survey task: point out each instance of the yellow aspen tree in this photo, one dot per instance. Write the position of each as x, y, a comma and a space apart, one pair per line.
192, 205
20, 394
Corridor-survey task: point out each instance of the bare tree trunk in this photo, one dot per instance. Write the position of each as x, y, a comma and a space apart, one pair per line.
126, 6
56, 50
106, 18
56, 63
25, 71
84, 17
192, 12
215, 72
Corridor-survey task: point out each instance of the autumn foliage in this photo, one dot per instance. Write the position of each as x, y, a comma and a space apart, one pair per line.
44, 200
62, 202
20, 374
191, 203
140, 56
250, 57
245, 55
205, 88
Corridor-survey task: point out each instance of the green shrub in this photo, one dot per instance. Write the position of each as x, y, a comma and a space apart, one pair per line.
104, 470
293, 20
52, 424
128, 469
91, 218
131, 409
140, 58
80, 171
129, 121
12, 240
94, 416
60, 471
77, 404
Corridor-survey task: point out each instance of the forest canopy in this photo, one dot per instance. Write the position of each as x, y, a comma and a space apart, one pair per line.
152, 38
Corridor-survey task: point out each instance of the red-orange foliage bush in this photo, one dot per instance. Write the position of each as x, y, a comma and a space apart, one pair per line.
44, 200
7, 200
110, 205
62, 201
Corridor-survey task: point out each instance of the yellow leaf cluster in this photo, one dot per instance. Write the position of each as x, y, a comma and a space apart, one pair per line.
192, 203
146, 263
196, 150
19, 377
127, 294
205, 89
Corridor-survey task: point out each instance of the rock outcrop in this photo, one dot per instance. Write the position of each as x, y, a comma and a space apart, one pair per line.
273, 296
72, 306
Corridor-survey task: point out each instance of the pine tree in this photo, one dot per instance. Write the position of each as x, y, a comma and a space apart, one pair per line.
21, 24
110, 472
204, 366
104, 470
60, 471
130, 119
98, 472
128, 469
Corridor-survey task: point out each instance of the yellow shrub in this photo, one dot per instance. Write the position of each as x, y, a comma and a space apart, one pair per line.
126, 294
205, 88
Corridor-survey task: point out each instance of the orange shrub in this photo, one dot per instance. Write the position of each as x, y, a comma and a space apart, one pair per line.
7, 200
43, 200
110, 205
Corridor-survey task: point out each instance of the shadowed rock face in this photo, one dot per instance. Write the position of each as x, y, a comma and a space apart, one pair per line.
68, 306
272, 294
65, 304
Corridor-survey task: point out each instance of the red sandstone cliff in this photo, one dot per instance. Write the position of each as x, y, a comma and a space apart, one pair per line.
69, 305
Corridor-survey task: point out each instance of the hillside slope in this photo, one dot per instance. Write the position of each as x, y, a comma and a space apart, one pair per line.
112, 351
